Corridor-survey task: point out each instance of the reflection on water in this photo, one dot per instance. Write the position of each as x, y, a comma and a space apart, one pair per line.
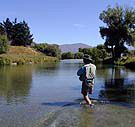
30, 93
15, 82
118, 87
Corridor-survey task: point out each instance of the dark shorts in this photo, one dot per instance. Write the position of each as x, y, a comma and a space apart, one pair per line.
87, 88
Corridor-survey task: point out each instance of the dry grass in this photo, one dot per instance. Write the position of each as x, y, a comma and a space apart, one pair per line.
24, 55
20, 50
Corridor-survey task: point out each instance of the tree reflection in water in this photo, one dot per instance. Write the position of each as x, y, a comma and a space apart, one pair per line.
15, 83
118, 87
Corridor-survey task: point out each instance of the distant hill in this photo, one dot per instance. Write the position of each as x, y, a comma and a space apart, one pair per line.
73, 47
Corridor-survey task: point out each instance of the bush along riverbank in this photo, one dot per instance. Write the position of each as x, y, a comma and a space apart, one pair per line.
23, 55
127, 61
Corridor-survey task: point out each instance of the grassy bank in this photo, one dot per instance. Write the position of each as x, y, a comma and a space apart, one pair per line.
127, 61
123, 61
23, 55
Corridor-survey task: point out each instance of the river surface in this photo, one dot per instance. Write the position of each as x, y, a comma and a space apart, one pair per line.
48, 95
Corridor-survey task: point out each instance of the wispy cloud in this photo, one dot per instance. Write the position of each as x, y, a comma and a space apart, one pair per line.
77, 25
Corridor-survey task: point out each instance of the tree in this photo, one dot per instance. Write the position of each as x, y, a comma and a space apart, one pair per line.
3, 44
7, 27
48, 49
78, 55
67, 55
17, 33
40, 47
102, 53
86, 50
100, 46
98, 53
119, 30
21, 34
52, 50
2, 31
95, 55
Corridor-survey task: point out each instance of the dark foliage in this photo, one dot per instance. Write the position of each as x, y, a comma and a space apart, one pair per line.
119, 30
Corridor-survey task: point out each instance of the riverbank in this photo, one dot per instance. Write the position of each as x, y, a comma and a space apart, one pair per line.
24, 55
127, 61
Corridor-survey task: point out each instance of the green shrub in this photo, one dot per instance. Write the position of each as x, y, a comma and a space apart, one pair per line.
5, 61
3, 44
67, 55
48, 49
78, 55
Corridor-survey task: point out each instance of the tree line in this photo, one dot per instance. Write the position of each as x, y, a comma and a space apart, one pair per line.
18, 34
98, 53
48, 49
119, 31
71, 55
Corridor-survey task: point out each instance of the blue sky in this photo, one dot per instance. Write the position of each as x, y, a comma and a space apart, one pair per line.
61, 21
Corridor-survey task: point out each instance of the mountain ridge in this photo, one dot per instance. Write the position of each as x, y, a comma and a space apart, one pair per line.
73, 47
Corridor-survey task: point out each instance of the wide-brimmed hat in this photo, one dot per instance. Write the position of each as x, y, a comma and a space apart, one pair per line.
87, 57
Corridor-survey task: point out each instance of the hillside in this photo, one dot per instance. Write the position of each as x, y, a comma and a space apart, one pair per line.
73, 47
24, 55
20, 50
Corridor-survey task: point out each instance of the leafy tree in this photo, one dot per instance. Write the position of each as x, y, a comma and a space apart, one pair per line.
7, 27
95, 54
52, 50
67, 55
2, 31
80, 50
101, 46
86, 50
40, 47
78, 55
17, 33
119, 30
21, 34
102, 53
3, 44
131, 53
48, 49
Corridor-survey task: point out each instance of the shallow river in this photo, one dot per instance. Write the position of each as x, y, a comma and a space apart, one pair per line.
49, 95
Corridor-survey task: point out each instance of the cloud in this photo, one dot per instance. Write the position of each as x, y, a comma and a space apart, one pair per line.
79, 25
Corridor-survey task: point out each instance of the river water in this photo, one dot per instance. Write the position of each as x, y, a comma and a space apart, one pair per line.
48, 95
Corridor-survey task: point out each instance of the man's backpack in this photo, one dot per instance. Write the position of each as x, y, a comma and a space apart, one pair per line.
87, 75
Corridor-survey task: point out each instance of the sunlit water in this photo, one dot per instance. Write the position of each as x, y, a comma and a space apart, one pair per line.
49, 95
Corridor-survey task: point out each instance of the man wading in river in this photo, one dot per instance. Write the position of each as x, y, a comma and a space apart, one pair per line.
87, 75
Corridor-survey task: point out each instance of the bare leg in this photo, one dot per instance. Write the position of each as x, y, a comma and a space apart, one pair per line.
87, 99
